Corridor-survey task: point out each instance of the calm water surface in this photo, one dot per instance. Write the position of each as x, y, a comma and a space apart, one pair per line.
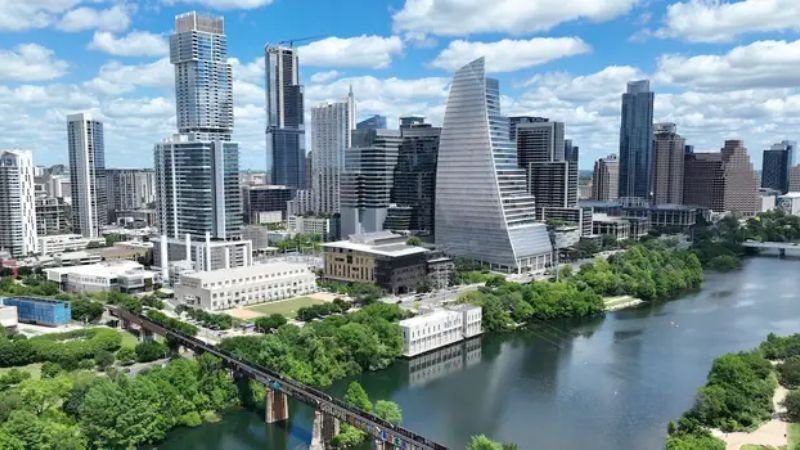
605, 384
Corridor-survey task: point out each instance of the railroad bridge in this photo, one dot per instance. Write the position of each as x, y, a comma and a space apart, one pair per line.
329, 411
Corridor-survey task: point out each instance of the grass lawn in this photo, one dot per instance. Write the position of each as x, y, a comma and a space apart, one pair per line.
286, 308
128, 339
34, 369
794, 435
758, 447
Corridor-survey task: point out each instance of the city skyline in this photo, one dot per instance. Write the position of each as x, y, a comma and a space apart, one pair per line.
710, 81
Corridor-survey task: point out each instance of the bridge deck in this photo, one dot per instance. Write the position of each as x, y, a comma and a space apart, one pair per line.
377, 427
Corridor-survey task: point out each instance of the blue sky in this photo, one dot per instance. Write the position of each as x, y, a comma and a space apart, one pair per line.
720, 69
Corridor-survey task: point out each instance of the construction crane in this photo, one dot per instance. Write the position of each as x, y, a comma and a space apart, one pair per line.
291, 42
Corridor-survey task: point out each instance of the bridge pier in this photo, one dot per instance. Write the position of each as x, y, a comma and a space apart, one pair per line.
276, 404
378, 444
326, 427
782, 253
126, 325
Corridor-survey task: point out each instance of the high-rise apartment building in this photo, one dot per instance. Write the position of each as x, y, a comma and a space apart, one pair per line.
129, 190
515, 121
669, 150
540, 141
87, 169
368, 179
197, 185
415, 175
553, 184
286, 142
636, 141
483, 209
197, 170
203, 77
18, 233
571, 152
605, 178
53, 216
331, 126
376, 122
722, 182
777, 164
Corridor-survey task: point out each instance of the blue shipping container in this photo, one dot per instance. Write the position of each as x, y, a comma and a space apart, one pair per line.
40, 311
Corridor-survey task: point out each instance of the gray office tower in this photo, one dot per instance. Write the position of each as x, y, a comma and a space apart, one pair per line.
415, 175
286, 142
571, 152
777, 164
197, 170
483, 209
636, 141
368, 179
87, 171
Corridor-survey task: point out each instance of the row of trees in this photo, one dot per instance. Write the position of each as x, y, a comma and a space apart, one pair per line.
79, 410
169, 322
209, 320
337, 306
66, 349
362, 293
328, 349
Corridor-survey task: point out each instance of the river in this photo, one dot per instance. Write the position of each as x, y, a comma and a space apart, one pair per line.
609, 383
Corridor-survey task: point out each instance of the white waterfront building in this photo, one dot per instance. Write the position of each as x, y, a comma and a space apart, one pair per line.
241, 286
483, 208
440, 328
17, 203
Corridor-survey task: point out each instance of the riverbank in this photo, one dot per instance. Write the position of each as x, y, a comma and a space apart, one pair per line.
773, 433
621, 302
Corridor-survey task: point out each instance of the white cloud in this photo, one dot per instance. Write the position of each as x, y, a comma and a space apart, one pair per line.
456, 18
509, 55
374, 52
115, 78
135, 43
324, 77
762, 64
115, 18
30, 62
225, 4
716, 21
19, 15
252, 72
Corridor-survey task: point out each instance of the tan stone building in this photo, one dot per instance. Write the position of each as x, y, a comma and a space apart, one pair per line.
605, 179
669, 148
722, 182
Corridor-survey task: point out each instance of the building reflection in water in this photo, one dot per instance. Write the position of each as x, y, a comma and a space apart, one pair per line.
444, 361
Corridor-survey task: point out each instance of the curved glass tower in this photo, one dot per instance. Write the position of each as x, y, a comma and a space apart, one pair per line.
483, 209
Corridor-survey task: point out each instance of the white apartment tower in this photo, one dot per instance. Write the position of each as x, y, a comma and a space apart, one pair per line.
483, 209
87, 171
17, 203
331, 126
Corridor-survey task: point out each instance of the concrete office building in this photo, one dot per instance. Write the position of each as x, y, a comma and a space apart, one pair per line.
382, 258
636, 141
794, 179
310, 225
777, 165
331, 126
205, 254
553, 184
605, 178
367, 181
197, 186
722, 182
539, 142
303, 203
242, 286
376, 122
18, 233
122, 276
415, 175
286, 141
87, 169
129, 190
668, 156
265, 203
61, 243
516, 121
483, 209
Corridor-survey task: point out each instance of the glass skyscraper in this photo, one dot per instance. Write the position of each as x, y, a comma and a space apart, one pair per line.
197, 170
286, 144
483, 209
636, 141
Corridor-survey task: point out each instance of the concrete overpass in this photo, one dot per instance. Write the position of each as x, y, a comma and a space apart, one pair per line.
781, 247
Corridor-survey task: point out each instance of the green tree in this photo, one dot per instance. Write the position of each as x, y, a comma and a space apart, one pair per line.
85, 310
348, 437
481, 442
792, 405
388, 411
415, 241
694, 442
150, 351
50, 369
269, 323
126, 356
357, 396
104, 359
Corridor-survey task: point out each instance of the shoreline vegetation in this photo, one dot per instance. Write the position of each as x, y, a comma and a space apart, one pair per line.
739, 397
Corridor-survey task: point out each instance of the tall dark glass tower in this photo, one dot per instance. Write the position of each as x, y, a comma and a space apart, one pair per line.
286, 144
415, 174
636, 141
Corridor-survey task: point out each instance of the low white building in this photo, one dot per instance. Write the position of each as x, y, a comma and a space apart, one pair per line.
122, 276
790, 203
440, 328
61, 243
241, 286
204, 254
310, 225
8, 316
